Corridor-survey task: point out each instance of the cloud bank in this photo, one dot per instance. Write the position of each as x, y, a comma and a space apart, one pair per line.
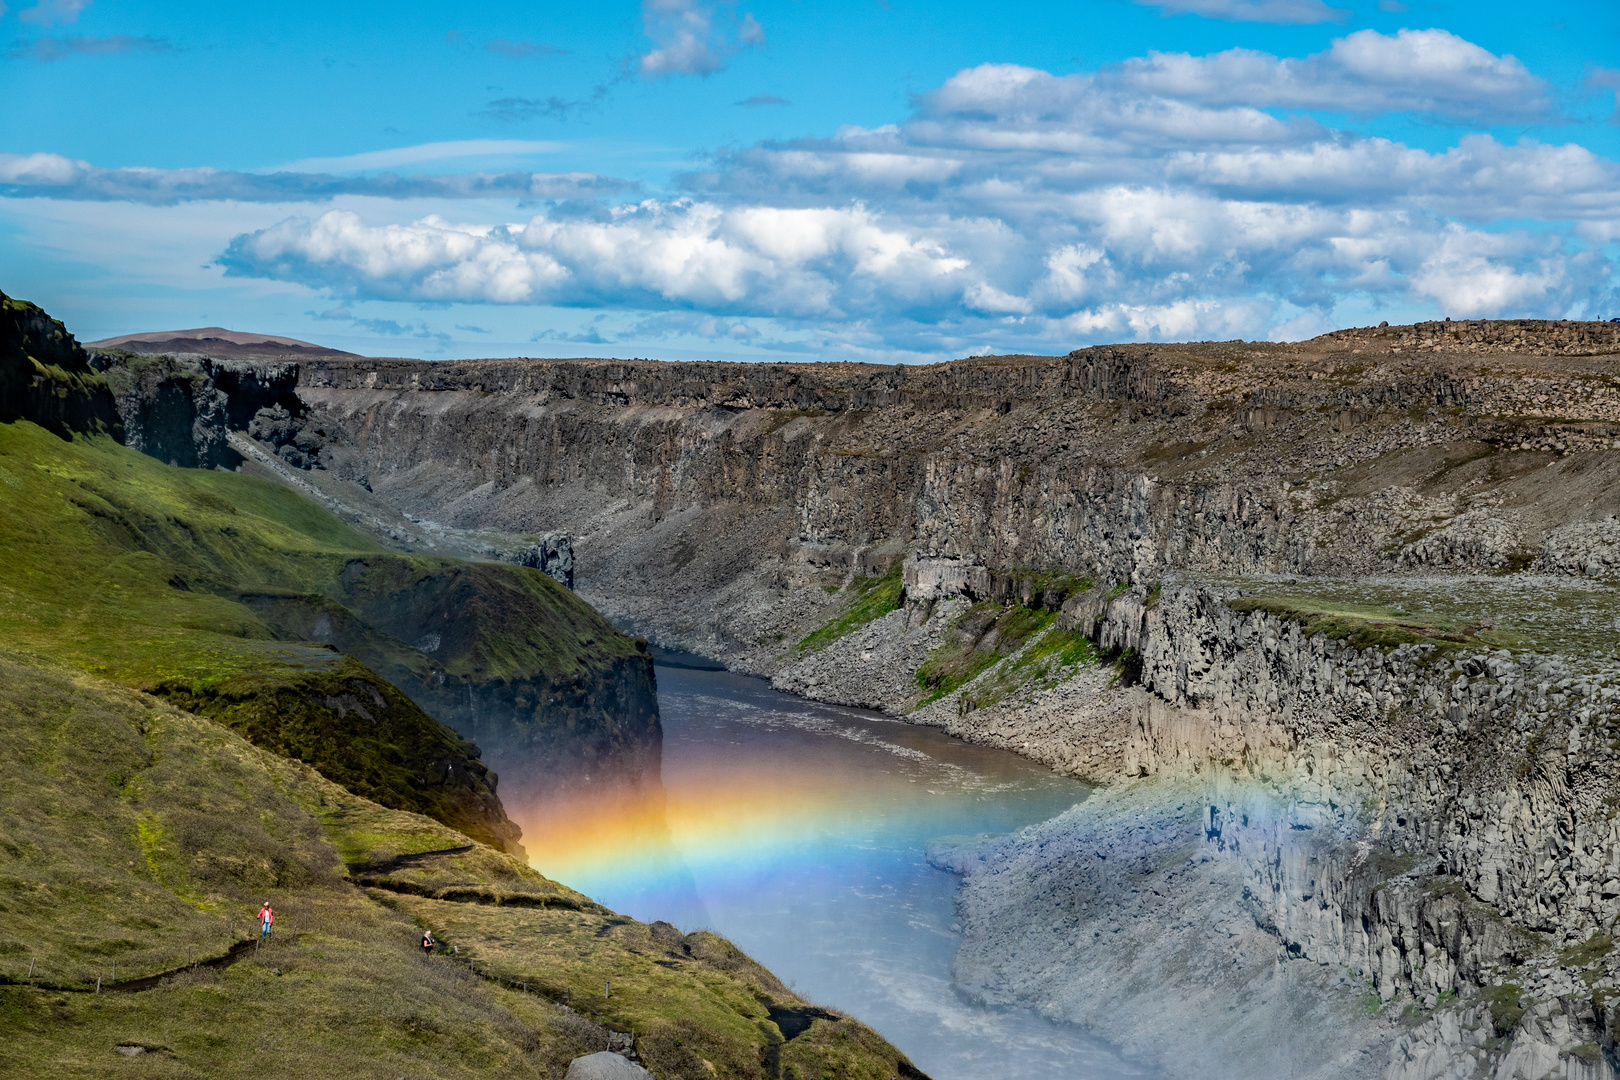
1168, 197
53, 176
1162, 198
1421, 71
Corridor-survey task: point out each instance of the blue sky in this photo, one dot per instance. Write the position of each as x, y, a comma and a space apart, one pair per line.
786, 179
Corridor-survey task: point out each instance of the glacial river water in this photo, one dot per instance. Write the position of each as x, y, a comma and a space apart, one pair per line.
799, 831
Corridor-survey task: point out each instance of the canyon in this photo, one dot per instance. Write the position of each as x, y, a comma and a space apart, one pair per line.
215, 695
1330, 622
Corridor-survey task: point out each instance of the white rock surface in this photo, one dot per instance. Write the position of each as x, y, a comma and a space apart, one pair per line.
605, 1065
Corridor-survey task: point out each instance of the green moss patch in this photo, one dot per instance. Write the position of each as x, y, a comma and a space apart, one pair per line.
1365, 626
1589, 951
1507, 1007
1050, 659
985, 634
869, 599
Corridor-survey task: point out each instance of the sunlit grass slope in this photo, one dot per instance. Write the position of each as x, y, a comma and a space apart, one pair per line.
126, 567
137, 835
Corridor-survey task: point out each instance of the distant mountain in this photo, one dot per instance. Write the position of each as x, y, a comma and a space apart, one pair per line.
215, 341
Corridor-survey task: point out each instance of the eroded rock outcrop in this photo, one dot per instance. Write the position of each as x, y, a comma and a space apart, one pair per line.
1433, 821
553, 554
46, 377
182, 409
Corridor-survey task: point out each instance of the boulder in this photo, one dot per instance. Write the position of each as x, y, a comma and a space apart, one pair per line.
605, 1065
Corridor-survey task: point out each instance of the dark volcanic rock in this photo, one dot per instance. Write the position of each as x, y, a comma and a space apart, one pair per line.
46, 377
181, 409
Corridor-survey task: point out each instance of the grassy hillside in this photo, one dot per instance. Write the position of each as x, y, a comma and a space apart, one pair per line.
181, 739
126, 567
138, 835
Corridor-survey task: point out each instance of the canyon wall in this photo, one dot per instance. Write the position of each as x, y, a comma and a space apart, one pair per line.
498, 649
711, 500
1312, 859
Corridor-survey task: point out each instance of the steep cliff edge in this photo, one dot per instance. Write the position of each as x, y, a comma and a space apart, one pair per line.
750, 487
503, 653
141, 839
1432, 818
46, 377
508, 657
125, 567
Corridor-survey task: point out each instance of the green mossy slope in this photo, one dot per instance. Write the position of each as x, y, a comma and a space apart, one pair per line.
869, 599
1364, 626
138, 835
983, 635
129, 568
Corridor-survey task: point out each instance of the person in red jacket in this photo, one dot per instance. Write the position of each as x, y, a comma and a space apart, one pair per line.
267, 920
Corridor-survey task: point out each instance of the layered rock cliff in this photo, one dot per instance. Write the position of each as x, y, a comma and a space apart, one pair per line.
749, 484
1434, 820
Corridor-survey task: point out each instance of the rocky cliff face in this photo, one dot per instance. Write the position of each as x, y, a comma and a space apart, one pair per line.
548, 689
1432, 820
182, 408
46, 377
750, 485
553, 554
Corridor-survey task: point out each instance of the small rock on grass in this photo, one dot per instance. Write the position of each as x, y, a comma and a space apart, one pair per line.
605, 1065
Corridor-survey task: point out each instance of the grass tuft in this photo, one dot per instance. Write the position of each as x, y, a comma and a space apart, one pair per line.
871, 599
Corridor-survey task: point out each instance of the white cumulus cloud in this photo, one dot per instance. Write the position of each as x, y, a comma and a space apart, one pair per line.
1013, 209
1427, 71
694, 37
799, 263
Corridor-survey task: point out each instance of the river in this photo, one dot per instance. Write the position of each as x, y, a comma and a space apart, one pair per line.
799, 831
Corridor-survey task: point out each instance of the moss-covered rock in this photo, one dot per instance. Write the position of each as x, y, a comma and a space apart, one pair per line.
46, 377
362, 732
